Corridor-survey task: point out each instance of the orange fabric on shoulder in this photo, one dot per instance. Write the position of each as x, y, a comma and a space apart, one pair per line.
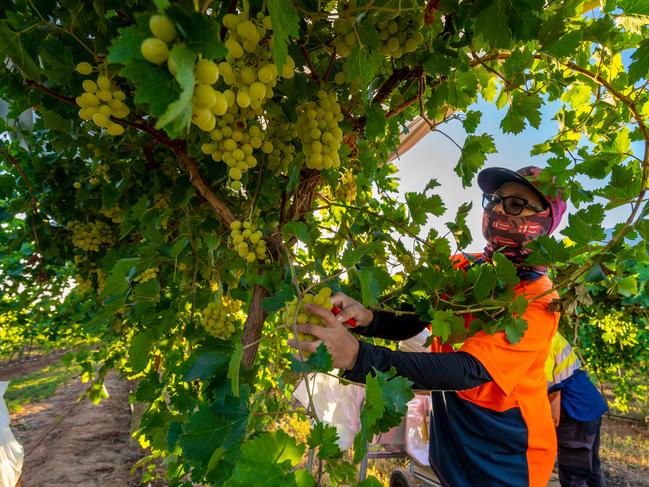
518, 373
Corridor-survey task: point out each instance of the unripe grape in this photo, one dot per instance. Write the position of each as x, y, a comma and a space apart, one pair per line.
235, 225
101, 120
230, 97
235, 173
230, 21
220, 104
288, 70
104, 95
77, 185
236, 185
248, 75
162, 28
105, 109
340, 77
257, 90
251, 257
89, 99
243, 99
84, 68
207, 72
103, 83
267, 73
247, 30
89, 85
86, 114
235, 51
115, 129
205, 95
154, 50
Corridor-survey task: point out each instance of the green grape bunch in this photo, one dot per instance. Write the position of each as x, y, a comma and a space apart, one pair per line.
248, 241
400, 35
90, 236
220, 318
318, 130
346, 190
297, 314
101, 100
234, 142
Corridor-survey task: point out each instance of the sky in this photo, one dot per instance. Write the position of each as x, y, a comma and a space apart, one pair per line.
435, 156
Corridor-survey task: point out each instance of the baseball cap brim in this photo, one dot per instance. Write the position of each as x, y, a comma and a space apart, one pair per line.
492, 178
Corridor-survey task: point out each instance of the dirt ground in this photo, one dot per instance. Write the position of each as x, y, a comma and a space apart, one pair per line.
69, 443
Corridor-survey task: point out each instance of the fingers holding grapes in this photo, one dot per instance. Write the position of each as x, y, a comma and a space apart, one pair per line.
351, 309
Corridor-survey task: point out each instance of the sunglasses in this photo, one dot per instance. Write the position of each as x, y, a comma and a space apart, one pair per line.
513, 205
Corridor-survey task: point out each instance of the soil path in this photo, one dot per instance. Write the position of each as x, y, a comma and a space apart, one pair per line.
69, 443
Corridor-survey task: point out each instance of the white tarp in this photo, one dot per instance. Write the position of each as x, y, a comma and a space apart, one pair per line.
11, 452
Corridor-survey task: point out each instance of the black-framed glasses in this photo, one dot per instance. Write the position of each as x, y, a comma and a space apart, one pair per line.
513, 205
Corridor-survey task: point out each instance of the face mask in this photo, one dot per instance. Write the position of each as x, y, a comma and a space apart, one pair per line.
509, 234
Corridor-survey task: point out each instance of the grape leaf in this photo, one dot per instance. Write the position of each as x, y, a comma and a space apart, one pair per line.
483, 278
202, 364
201, 34
505, 270
474, 154
421, 205
362, 65
176, 119
11, 45
138, 352
639, 68
523, 107
154, 85
374, 280
320, 361
325, 438
299, 229
219, 425
471, 121
125, 47
386, 401
493, 24
585, 226
445, 323
546, 251
272, 454
515, 329
376, 122
459, 228
285, 23
634, 7
57, 60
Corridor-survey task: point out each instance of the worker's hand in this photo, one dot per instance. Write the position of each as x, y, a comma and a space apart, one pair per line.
351, 309
340, 343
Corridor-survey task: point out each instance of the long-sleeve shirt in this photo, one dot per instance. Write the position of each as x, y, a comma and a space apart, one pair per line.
428, 371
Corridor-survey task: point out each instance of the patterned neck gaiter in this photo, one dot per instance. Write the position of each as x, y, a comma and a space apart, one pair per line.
509, 234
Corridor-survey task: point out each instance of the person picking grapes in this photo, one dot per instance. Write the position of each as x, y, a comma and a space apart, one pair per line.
491, 423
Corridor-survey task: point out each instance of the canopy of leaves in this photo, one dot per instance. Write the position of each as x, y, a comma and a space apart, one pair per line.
116, 206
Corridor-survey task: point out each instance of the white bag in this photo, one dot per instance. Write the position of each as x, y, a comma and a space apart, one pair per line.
11, 452
335, 404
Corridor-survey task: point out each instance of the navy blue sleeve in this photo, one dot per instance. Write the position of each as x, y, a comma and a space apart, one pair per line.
454, 371
391, 326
